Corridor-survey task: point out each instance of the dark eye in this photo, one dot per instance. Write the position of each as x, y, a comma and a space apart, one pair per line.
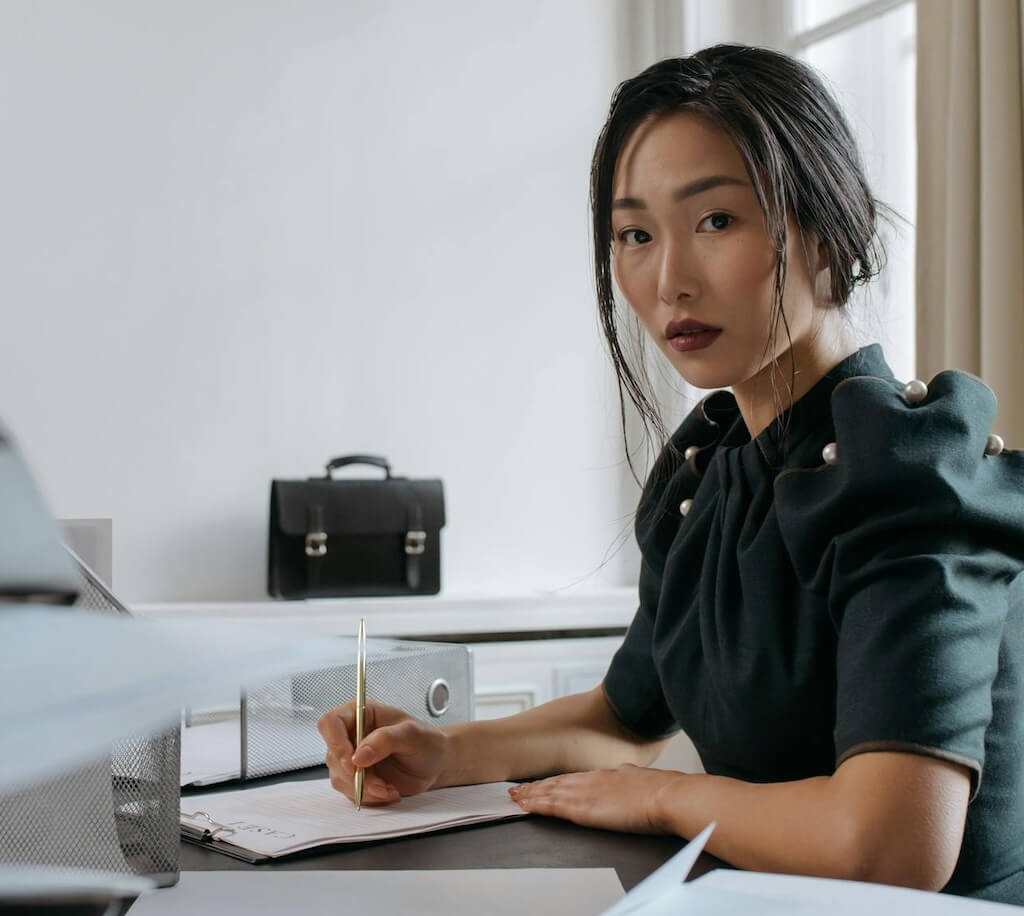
715, 222
639, 237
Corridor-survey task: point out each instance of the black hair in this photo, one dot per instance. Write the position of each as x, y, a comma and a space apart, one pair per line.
802, 160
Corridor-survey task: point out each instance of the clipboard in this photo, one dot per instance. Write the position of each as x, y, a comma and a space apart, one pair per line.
206, 834
272, 822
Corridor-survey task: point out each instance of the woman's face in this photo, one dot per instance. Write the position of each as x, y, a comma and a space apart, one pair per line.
691, 252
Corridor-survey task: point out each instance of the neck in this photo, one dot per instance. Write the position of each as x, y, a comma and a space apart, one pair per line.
810, 358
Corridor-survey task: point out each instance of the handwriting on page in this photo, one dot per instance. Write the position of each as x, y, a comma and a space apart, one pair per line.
273, 832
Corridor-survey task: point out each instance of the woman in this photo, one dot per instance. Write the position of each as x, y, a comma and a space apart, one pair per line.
827, 598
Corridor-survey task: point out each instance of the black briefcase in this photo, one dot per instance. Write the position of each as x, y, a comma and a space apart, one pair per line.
342, 538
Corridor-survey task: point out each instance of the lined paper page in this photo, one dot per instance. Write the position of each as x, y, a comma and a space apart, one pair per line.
286, 817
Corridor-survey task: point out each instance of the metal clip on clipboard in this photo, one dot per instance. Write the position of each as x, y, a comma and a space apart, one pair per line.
206, 833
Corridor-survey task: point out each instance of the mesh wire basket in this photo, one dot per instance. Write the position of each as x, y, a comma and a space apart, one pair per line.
119, 814
429, 680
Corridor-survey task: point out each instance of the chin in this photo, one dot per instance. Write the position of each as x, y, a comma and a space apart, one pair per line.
708, 375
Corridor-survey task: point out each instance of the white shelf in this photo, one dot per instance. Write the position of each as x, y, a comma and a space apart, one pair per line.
475, 613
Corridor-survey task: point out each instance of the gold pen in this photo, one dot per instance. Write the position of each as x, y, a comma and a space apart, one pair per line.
360, 703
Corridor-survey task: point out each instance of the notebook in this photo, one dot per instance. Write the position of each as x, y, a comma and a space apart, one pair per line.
269, 822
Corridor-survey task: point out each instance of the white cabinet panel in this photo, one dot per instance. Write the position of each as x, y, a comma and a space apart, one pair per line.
507, 673
578, 677
495, 704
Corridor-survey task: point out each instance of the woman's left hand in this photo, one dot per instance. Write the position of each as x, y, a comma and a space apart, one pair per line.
628, 799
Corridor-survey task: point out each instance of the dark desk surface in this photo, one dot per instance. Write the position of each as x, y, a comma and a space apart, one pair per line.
533, 842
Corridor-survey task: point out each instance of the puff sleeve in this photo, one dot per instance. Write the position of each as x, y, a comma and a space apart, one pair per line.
912, 534
632, 686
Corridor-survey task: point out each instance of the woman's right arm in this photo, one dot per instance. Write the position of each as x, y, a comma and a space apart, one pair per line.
570, 734
407, 756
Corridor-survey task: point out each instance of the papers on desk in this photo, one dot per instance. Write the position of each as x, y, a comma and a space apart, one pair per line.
664, 890
798, 894
744, 893
272, 821
565, 891
496, 892
440, 892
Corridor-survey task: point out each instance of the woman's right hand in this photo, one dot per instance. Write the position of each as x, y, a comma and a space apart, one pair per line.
401, 754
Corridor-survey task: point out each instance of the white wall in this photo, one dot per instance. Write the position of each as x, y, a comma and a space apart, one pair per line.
242, 237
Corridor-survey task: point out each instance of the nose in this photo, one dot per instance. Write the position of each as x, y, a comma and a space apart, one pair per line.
677, 280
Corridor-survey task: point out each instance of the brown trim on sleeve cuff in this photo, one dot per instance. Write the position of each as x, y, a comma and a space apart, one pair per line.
622, 721
909, 747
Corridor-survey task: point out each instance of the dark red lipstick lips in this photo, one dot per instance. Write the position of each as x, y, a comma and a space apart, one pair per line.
689, 334
686, 326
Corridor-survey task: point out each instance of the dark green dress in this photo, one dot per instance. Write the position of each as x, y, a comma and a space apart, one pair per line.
796, 611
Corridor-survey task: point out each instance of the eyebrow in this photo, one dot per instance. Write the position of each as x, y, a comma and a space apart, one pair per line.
687, 190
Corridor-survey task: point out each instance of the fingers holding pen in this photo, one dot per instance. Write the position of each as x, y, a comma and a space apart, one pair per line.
375, 748
378, 792
337, 728
375, 790
385, 742
400, 754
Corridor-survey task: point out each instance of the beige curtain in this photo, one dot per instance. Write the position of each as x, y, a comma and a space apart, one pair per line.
970, 192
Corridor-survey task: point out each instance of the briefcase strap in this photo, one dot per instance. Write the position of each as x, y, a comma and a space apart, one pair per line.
415, 543
316, 545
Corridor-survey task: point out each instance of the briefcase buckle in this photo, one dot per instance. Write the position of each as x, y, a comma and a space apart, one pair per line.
316, 544
415, 542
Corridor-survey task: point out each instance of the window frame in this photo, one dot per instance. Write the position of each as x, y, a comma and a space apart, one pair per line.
798, 41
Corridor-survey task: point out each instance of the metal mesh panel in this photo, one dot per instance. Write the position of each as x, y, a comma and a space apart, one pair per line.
64, 821
279, 717
118, 814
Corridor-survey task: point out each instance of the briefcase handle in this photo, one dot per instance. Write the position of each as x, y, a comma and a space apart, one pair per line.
376, 460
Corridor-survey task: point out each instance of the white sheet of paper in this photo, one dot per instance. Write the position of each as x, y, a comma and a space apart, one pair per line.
74, 681
289, 816
210, 752
666, 879
693, 899
839, 898
456, 892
